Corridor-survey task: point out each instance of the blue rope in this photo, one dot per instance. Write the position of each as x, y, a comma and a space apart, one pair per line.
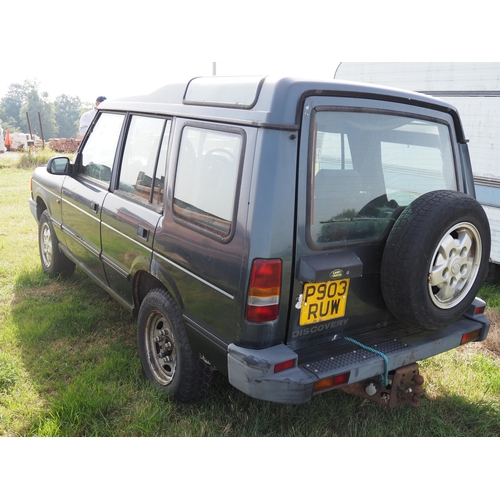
385, 375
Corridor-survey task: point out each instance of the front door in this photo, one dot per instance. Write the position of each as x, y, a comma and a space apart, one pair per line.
84, 192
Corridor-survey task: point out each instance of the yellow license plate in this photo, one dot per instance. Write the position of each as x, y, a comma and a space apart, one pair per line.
323, 301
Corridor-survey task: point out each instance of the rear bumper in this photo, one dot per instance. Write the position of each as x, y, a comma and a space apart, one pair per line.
252, 371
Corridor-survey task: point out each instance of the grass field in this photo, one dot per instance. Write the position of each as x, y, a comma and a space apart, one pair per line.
69, 366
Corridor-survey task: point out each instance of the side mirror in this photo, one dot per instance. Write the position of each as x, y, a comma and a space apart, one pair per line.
59, 165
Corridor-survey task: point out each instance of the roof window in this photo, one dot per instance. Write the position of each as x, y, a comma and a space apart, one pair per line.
226, 91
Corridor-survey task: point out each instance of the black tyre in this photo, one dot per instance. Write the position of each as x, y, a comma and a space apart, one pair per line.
54, 262
166, 356
435, 259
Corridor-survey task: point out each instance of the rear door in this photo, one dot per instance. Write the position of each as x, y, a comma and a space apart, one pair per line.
361, 162
131, 212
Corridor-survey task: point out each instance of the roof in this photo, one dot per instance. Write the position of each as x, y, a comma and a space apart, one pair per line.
265, 101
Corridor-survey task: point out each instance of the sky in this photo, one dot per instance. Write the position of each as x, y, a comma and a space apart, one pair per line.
94, 48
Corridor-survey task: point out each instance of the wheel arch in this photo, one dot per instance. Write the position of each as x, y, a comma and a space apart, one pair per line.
144, 282
165, 352
41, 206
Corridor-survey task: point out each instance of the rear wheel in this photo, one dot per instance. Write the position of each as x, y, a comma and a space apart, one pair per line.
166, 356
436, 258
54, 262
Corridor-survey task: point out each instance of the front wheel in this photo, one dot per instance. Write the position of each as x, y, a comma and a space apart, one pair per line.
166, 356
54, 262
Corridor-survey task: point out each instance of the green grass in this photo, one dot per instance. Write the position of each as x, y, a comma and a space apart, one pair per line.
491, 294
69, 367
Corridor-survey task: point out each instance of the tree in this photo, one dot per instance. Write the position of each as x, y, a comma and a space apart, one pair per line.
59, 118
10, 107
67, 113
38, 103
25, 98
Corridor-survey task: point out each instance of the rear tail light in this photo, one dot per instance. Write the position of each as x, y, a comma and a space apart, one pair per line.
479, 309
264, 291
470, 337
284, 365
331, 382
475, 309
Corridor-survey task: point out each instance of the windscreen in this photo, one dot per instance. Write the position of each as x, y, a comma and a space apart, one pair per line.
365, 167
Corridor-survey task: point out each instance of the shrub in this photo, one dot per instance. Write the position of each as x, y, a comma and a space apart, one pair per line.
34, 159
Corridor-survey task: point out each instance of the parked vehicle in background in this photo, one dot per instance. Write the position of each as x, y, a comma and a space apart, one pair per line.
474, 89
19, 141
2, 144
298, 236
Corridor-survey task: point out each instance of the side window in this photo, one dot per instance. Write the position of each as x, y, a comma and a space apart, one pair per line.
142, 172
206, 180
99, 151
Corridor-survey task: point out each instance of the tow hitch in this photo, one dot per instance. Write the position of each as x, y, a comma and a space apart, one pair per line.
405, 384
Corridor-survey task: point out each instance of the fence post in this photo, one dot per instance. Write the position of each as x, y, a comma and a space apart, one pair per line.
41, 130
29, 124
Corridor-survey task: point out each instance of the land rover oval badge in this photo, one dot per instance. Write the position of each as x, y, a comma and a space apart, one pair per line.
336, 273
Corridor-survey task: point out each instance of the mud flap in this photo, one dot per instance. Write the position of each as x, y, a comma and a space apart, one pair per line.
405, 384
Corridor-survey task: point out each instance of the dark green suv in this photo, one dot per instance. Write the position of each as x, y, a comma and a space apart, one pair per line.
298, 236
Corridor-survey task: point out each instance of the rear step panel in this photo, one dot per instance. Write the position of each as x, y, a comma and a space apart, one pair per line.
342, 362
414, 345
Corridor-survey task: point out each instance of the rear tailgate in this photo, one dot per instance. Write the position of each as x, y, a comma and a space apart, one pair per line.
361, 162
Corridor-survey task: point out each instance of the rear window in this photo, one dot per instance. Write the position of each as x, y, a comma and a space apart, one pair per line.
142, 174
365, 167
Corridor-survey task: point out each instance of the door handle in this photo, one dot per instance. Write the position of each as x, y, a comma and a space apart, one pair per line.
94, 207
143, 233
